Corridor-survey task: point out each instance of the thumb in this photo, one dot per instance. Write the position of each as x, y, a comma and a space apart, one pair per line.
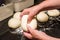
38, 34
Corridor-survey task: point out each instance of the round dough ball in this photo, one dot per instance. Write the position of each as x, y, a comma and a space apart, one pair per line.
14, 23
42, 17
17, 15
54, 12
32, 24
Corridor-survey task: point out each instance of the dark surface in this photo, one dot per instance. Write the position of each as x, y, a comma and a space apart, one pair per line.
37, 1
1, 2
5, 31
8, 36
3, 26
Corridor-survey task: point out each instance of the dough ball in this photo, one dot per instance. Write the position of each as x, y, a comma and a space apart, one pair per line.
32, 24
54, 12
17, 15
14, 23
42, 17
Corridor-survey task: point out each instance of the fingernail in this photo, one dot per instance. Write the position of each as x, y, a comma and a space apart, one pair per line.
28, 26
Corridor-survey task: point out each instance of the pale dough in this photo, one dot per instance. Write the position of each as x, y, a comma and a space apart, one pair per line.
32, 24
14, 23
53, 12
17, 15
42, 17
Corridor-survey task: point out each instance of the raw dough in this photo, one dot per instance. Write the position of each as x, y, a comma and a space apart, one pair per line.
42, 17
14, 23
17, 15
32, 24
54, 12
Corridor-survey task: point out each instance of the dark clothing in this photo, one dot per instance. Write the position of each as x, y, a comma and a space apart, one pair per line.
37, 1
1, 2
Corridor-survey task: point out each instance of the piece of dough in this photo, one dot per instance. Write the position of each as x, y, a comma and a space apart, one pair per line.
17, 15
14, 23
42, 17
53, 12
32, 24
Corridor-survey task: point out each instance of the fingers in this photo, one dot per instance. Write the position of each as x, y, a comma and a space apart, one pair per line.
34, 33
31, 15
37, 34
27, 35
25, 11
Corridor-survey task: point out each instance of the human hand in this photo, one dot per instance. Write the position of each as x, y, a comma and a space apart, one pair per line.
30, 11
47, 4
39, 35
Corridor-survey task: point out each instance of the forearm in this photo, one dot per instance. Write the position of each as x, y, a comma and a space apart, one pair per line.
46, 4
51, 38
55, 38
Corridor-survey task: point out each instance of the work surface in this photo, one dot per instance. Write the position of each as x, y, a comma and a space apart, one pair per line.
4, 31
6, 35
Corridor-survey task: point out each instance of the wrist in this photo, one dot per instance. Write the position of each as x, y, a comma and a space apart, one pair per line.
41, 6
37, 8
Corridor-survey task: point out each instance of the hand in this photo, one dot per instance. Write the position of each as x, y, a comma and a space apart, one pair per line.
39, 35
47, 4
30, 11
